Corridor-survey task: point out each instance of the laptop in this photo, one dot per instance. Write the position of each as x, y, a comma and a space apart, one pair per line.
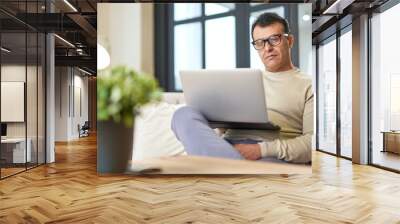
233, 99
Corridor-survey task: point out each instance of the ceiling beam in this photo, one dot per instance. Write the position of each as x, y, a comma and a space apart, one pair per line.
83, 23
337, 6
82, 61
320, 22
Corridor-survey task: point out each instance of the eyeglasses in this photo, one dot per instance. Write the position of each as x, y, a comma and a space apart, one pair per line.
273, 40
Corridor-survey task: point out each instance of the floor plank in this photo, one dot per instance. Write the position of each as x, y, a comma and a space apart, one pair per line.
70, 191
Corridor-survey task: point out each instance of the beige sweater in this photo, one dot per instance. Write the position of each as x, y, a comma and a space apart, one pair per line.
290, 104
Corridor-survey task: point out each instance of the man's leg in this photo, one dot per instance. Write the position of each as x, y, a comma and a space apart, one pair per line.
193, 131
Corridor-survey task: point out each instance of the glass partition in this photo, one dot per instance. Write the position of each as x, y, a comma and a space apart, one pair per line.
327, 96
13, 108
22, 88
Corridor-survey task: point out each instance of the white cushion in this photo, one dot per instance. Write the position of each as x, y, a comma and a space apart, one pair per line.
153, 136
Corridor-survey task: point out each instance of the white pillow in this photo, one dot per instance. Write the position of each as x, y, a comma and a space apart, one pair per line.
153, 136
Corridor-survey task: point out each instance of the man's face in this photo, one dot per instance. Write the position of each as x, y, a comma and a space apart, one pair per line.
275, 58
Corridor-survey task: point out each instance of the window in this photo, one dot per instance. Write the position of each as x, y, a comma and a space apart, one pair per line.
385, 87
334, 106
216, 8
209, 35
327, 96
187, 48
220, 49
186, 11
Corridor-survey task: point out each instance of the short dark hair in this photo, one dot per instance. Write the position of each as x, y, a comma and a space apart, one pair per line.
269, 18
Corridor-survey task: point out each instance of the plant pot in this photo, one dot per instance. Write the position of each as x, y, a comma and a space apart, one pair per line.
114, 147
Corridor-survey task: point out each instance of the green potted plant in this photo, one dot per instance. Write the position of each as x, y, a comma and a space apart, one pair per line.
121, 92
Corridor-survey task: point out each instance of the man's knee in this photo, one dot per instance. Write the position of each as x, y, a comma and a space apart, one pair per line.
184, 116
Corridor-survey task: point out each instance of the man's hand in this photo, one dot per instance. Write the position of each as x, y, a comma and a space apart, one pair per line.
249, 151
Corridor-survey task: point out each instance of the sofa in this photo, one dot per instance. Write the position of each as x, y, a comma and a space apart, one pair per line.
156, 149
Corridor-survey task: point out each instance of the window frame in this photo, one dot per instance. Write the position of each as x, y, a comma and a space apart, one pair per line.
343, 31
333, 37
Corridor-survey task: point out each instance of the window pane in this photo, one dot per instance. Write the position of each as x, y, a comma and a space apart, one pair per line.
187, 49
186, 10
385, 88
220, 43
255, 61
327, 97
215, 8
394, 101
346, 94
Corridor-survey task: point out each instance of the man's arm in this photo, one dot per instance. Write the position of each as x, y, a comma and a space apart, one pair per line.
297, 149
249, 151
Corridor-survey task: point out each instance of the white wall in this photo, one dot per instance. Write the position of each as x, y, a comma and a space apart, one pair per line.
117, 31
61, 103
126, 31
13, 72
68, 83
147, 18
17, 73
80, 84
33, 126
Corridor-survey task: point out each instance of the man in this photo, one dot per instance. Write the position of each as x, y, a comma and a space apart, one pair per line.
290, 105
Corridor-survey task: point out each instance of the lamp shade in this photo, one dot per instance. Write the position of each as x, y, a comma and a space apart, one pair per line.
103, 58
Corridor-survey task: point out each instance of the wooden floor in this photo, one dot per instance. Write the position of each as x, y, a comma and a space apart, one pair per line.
5, 172
10, 171
70, 191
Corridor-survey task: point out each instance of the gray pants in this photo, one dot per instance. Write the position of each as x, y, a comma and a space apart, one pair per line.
198, 138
